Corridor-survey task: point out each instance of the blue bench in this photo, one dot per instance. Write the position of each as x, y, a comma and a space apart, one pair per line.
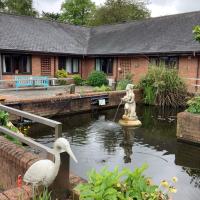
31, 81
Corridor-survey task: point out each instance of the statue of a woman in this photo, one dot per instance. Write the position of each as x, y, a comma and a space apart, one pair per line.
130, 105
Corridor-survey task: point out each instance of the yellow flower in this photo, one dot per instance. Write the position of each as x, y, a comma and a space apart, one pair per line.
172, 189
118, 185
174, 179
164, 184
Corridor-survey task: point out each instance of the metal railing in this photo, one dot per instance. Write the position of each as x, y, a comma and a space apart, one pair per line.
63, 174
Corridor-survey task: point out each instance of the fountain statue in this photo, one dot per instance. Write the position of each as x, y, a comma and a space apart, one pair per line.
129, 118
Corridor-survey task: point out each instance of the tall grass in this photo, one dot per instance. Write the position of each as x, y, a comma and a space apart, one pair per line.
163, 86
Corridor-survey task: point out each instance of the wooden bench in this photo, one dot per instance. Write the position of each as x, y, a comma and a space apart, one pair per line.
31, 81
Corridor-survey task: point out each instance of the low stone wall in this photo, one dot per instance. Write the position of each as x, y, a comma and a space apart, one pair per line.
188, 127
14, 161
68, 104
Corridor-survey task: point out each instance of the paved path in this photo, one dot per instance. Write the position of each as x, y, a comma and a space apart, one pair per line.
41, 93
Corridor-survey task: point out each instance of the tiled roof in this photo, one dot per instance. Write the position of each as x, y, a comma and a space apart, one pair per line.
155, 35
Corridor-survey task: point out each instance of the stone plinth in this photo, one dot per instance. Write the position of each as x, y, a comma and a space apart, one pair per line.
188, 127
130, 123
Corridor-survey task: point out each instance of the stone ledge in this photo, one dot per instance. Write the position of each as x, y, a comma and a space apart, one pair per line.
188, 127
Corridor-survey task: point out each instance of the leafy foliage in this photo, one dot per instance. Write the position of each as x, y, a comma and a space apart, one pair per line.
97, 78
4, 118
61, 74
4, 121
117, 185
121, 85
118, 11
103, 88
163, 86
21, 7
196, 32
78, 80
194, 105
45, 195
78, 12
50, 16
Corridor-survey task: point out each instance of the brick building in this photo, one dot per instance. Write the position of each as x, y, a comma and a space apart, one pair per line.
30, 46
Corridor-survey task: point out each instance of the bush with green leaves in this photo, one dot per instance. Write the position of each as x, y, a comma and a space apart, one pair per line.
121, 85
45, 195
4, 118
78, 80
97, 78
196, 33
162, 86
61, 74
120, 185
103, 88
4, 121
194, 105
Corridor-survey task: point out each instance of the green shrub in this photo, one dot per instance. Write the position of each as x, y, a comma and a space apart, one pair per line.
61, 74
103, 88
123, 185
4, 118
78, 80
97, 78
196, 32
163, 86
45, 195
194, 105
121, 85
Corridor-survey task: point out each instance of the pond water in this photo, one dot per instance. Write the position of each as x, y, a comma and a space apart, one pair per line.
98, 142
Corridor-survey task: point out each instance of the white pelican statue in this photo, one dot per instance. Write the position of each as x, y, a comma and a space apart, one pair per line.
44, 172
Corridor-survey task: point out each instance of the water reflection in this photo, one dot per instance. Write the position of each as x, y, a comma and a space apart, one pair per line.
97, 141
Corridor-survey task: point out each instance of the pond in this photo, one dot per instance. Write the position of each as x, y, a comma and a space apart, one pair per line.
98, 142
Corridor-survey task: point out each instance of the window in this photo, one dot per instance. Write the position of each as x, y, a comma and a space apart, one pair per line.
71, 65
105, 65
169, 61
16, 64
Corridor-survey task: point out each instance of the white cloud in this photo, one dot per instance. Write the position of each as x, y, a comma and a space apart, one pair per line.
166, 7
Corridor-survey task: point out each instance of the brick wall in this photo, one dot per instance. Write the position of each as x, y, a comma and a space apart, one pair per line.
14, 161
188, 127
67, 104
88, 65
188, 67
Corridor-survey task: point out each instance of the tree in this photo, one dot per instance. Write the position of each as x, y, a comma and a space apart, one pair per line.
78, 12
21, 7
2, 5
117, 11
51, 16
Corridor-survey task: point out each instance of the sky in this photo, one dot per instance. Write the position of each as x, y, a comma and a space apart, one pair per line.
157, 7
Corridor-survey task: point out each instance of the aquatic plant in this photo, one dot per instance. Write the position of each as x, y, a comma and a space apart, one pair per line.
194, 105
122, 185
162, 86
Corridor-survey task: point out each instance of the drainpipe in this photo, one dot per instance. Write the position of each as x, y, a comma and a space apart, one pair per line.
54, 66
198, 72
0, 68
